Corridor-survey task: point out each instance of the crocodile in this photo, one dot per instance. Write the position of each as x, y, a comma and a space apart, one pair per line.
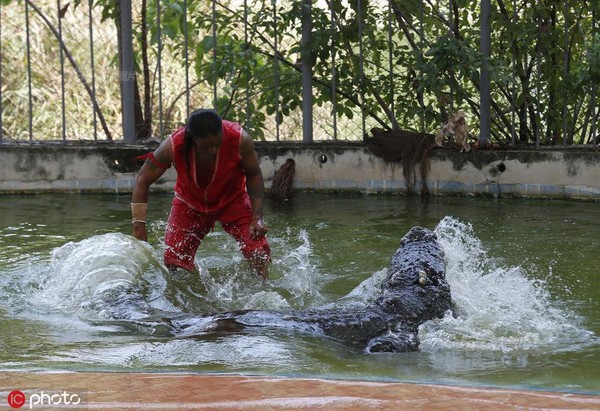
414, 291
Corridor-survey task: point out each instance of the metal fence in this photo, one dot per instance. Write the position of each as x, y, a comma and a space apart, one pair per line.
298, 70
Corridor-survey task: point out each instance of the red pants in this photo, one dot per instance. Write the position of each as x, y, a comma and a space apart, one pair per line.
187, 228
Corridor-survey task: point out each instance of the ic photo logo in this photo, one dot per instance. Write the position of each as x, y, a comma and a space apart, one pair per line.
17, 399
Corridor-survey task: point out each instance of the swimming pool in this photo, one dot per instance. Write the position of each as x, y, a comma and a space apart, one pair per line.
523, 276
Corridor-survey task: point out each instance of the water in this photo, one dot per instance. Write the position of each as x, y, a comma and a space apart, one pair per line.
523, 275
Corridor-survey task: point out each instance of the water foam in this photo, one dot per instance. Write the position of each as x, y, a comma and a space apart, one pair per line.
294, 278
114, 276
300, 276
498, 307
112, 269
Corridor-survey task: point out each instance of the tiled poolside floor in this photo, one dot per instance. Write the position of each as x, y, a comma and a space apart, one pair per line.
133, 391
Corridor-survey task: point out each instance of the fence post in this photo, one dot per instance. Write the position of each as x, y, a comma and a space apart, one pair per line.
565, 72
276, 69
1, 107
29, 86
334, 74
484, 95
215, 60
594, 138
361, 65
159, 68
307, 97
92, 66
420, 64
513, 99
63, 110
127, 75
391, 65
186, 53
246, 51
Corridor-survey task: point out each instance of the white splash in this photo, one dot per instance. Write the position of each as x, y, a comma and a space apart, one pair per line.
496, 307
300, 275
294, 278
96, 268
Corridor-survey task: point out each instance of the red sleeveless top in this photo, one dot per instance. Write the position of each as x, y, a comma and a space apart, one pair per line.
228, 182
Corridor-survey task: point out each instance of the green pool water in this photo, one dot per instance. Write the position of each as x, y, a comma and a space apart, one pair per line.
524, 277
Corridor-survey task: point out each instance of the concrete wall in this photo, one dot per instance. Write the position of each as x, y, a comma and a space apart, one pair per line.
569, 173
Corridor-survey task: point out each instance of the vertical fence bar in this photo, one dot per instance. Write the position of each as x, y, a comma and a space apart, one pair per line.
92, 65
565, 69
214, 34
246, 51
513, 102
391, 66
62, 74
307, 96
187, 57
127, 76
594, 117
29, 88
1, 106
451, 34
450, 17
276, 67
593, 96
538, 87
485, 91
161, 125
361, 64
420, 62
333, 72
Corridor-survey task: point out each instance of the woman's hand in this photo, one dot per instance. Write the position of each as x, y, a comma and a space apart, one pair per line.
258, 228
139, 231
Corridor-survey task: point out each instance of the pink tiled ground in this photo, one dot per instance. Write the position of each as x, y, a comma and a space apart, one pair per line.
130, 391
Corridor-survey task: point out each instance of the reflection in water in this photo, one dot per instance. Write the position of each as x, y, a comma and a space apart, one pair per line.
508, 328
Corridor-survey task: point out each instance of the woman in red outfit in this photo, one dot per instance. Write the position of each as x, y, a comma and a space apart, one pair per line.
218, 178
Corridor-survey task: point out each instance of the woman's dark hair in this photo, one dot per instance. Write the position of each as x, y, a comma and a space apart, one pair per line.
201, 124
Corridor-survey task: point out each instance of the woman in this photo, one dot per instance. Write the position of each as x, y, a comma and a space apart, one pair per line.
218, 178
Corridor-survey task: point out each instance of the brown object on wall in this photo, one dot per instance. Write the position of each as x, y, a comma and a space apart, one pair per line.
407, 147
283, 181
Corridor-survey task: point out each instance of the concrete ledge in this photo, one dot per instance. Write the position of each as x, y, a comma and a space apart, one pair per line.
552, 173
